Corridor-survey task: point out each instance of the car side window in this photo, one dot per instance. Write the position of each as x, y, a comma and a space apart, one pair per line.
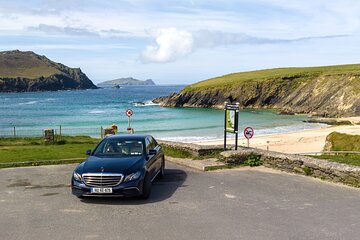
155, 143
152, 143
148, 144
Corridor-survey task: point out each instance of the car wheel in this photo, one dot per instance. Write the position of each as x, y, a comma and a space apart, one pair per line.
162, 169
146, 187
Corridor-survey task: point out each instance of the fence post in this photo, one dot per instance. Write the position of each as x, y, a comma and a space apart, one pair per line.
14, 132
101, 132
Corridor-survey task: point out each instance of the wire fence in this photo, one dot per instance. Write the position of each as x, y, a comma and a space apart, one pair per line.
329, 153
19, 131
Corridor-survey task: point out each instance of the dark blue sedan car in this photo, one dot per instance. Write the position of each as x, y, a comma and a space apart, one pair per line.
120, 165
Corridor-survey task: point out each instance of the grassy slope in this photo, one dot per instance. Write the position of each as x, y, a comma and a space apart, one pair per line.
34, 149
343, 142
302, 74
17, 64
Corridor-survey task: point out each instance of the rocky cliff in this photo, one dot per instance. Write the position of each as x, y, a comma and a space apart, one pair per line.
332, 91
27, 71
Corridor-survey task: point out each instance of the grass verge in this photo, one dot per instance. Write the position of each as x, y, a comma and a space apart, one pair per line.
176, 153
33, 151
350, 159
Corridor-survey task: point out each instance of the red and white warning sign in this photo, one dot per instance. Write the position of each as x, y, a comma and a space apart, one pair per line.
129, 112
248, 132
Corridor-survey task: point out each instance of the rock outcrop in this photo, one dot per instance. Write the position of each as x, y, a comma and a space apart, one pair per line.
27, 71
317, 93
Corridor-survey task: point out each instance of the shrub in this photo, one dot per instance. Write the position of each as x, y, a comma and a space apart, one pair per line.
61, 142
307, 171
253, 160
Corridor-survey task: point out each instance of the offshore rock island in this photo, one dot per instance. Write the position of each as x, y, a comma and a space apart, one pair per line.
129, 81
29, 72
331, 91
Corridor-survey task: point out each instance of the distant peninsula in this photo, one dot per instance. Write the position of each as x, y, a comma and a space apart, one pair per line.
125, 81
28, 72
330, 91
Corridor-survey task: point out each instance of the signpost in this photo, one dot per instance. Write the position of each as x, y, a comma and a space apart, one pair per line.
231, 121
129, 113
248, 133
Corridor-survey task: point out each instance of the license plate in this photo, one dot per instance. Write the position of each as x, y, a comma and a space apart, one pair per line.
101, 190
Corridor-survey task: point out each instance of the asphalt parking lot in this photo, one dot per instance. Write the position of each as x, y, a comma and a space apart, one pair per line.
36, 203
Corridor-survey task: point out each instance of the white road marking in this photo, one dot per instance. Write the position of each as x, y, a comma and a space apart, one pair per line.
72, 210
229, 196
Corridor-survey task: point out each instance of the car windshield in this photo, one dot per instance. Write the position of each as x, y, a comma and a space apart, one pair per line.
119, 147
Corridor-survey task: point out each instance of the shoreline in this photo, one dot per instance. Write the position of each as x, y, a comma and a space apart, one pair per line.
304, 141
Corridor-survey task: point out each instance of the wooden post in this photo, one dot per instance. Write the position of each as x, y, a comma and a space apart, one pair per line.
14, 131
101, 132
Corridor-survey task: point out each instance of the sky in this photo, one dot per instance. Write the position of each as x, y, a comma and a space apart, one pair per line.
182, 41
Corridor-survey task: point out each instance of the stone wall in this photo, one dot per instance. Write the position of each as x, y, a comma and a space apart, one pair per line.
335, 172
194, 149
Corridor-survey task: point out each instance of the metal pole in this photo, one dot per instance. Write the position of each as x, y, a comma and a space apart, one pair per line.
225, 103
236, 140
14, 132
101, 132
248, 143
237, 125
60, 131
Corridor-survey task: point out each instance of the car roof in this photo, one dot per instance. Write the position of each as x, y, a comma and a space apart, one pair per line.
128, 136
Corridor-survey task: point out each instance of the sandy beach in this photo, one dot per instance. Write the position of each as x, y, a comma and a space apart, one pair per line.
306, 141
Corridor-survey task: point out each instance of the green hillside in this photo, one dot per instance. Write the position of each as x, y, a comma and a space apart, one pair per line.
15, 64
27, 71
277, 74
331, 91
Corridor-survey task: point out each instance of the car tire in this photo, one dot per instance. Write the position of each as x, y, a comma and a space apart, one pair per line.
146, 190
162, 169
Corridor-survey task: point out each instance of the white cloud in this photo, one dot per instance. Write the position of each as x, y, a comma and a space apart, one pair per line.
172, 44
51, 29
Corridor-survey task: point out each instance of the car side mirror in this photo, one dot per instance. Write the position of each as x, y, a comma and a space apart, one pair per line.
152, 152
88, 152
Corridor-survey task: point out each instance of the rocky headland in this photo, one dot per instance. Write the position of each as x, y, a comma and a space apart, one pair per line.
332, 91
27, 72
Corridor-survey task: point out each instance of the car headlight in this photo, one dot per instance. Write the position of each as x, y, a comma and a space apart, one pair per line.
77, 177
132, 176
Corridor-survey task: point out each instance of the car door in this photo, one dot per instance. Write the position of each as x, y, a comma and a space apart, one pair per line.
151, 159
158, 156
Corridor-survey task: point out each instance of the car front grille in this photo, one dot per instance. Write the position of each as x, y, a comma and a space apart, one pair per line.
102, 179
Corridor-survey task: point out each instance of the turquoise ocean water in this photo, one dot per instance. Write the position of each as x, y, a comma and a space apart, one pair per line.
84, 112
